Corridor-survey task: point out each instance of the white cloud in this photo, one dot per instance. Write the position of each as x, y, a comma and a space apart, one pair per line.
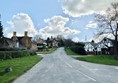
56, 26
91, 25
83, 0
76, 8
75, 39
20, 22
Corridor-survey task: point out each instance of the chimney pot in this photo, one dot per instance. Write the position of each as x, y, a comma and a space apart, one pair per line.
26, 33
14, 33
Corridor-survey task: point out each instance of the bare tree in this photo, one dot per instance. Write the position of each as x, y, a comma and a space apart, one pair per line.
108, 24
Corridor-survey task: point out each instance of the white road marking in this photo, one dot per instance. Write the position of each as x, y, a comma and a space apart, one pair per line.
81, 72
95, 69
86, 75
68, 64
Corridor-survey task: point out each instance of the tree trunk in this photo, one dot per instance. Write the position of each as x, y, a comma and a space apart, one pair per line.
116, 44
115, 49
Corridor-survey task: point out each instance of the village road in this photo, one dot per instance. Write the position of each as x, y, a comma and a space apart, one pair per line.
57, 67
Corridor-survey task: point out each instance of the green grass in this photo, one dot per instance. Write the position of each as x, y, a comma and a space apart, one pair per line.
50, 50
70, 52
19, 65
100, 59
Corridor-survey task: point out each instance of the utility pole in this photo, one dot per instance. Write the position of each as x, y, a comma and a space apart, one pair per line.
85, 38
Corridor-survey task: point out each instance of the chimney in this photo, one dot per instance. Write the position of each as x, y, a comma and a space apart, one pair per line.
26, 33
14, 33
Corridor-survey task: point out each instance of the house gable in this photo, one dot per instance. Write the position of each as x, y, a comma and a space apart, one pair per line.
26, 41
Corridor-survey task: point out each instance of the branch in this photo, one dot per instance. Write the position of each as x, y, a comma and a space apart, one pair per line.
111, 28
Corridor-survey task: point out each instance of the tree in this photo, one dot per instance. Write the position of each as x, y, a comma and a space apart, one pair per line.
61, 42
1, 31
108, 24
48, 42
68, 43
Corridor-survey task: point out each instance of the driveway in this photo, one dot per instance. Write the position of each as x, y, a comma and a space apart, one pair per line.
60, 68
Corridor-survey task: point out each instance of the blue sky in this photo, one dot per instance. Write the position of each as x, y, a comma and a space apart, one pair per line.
37, 10
71, 18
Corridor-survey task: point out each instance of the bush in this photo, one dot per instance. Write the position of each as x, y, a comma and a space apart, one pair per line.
32, 52
12, 54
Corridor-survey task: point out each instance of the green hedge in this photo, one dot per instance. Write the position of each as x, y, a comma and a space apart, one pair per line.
78, 49
12, 54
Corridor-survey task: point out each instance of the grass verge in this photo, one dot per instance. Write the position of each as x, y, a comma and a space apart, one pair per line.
70, 52
19, 65
50, 50
100, 59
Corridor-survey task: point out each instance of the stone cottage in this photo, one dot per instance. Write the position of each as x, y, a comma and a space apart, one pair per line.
23, 42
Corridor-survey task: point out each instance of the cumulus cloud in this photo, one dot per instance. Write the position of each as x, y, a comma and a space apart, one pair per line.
56, 26
75, 39
76, 8
91, 25
20, 22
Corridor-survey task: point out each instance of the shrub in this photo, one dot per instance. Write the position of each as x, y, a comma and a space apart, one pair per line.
12, 54
32, 52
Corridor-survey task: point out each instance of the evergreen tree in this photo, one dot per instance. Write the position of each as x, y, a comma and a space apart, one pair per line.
1, 31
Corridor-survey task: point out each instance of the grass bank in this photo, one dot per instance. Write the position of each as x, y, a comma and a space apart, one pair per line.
100, 59
48, 51
19, 65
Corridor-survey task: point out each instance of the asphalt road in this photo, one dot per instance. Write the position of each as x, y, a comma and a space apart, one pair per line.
60, 68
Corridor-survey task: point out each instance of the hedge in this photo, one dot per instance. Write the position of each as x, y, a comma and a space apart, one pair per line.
12, 54
78, 49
